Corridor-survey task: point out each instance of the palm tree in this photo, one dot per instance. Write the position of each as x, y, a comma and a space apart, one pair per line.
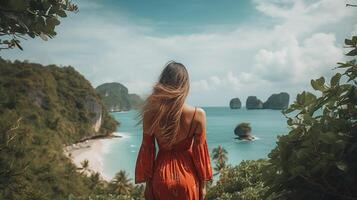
220, 158
121, 183
137, 192
96, 181
85, 166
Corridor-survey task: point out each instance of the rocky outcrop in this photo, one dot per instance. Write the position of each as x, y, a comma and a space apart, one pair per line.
59, 99
116, 97
235, 103
244, 131
253, 103
277, 101
135, 101
95, 108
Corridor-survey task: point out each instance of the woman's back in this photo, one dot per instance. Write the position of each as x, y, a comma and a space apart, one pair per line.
186, 129
179, 169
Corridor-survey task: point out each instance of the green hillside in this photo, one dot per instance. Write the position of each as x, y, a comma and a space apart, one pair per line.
42, 109
116, 97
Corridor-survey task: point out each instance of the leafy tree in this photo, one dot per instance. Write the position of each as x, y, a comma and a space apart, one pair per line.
33, 18
137, 192
84, 166
121, 183
317, 159
219, 155
242, 182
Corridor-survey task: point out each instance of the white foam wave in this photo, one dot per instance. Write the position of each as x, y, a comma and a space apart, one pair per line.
243, 140
123, 135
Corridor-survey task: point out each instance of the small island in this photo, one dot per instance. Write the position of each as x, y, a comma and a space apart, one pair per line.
235, 103
275, 102
253, 103
244, 132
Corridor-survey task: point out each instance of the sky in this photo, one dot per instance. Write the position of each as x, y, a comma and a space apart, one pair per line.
231, 48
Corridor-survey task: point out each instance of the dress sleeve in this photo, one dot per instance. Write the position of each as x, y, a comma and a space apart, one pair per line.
145, 160
201, 157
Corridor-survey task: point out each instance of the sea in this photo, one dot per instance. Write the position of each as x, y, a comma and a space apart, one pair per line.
121, 153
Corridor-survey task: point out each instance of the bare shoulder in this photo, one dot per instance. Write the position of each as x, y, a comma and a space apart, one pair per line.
200, 116
200, 112
189, 111
200, 120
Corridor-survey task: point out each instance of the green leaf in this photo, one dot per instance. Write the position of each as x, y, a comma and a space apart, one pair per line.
305, 98
290, 121
335, 79
61, 13
352, 53
354, 40
348, 42
52, 22
341, 166
318, 84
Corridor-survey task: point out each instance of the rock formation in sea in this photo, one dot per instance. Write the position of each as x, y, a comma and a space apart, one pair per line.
253, 103
235, 103
277, 101
116, 97
243, 131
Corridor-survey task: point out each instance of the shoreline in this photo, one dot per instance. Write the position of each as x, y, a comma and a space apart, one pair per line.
91, 149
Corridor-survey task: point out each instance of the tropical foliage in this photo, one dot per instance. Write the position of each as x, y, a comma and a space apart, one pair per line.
42, 109
244, 181
33, 18
121, 183
119, 188
219, 156
317, 158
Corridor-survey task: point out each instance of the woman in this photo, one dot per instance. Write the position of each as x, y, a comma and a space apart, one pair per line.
182, 165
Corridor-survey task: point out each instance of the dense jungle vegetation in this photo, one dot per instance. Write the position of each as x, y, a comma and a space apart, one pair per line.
42, 109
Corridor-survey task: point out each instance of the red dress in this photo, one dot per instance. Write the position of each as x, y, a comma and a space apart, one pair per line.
174, 174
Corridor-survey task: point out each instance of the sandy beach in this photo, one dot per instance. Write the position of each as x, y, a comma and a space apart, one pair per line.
91, 150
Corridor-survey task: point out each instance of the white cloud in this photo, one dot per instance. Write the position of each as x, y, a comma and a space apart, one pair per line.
298, 43
298, 62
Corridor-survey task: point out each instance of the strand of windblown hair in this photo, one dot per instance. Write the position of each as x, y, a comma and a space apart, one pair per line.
167, 104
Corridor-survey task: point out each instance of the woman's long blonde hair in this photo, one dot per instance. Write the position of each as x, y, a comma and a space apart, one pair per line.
166, 102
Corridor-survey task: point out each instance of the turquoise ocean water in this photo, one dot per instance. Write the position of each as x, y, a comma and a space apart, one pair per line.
120, 154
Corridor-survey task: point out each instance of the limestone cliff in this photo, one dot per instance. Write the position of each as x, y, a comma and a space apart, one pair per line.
253, 103
116, 97
277, 101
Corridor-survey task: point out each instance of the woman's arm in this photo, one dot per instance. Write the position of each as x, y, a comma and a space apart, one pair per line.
200, 152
